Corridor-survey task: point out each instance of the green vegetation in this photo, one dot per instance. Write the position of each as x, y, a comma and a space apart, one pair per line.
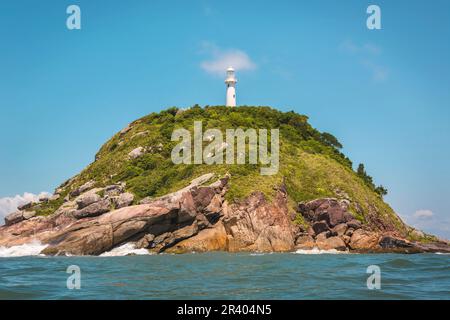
311, 163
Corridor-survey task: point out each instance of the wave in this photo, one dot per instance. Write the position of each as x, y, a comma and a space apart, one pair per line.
125, 250
319, 251
28, 249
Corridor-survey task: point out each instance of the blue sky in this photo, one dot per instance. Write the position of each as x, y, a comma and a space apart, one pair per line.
384, 93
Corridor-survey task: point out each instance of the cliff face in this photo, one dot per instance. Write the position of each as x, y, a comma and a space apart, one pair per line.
133, 192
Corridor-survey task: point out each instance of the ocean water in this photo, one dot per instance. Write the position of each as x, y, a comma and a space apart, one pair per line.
302, 275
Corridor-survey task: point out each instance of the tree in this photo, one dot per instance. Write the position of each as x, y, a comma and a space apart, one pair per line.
331, 140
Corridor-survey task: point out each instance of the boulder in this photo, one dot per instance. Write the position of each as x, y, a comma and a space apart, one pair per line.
28, 214
124, 200
364, 240
14, 218
55, 197
25, 206
340, 229
169, 239
354, 224
145, 241
94, 209
136, 153
320, 226
305, 242
331, 243
85, 187
330, 210
389, 242
211, 239
114, 190
87, 199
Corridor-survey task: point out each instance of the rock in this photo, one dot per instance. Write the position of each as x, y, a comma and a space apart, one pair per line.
125, 130
255, 224
85, 187
124, 200
364, 240
87, 199
169, 239
305, 242
354, 224
114, 190
331, 243
393, 242
136, 153
330, 210
28, 214
145, 241
340, 229
44, 198
25, 206
55, 197
322, 236
346, 239
211, 239
94, 209
320, 226
14, 218
101, 233
349, 232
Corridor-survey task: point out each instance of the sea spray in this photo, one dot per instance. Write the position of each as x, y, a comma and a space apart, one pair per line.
33, 248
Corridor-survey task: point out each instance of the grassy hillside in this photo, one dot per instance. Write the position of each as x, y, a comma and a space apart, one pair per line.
311, 163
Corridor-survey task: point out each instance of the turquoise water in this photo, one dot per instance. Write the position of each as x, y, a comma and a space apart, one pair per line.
228, 276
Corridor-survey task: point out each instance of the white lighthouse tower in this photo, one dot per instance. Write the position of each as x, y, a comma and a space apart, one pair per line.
231, 87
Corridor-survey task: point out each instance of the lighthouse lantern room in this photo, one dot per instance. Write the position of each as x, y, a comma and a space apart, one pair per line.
230, 81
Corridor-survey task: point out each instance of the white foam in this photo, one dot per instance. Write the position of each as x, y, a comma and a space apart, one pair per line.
123, 250
28, 249
318, 251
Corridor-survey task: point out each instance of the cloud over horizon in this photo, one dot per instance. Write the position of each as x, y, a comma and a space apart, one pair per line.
10, 204
429, 222
220, 59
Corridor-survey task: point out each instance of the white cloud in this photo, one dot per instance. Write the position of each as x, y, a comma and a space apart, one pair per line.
366, 55
221, 59
429, 222
423, 214
10, 204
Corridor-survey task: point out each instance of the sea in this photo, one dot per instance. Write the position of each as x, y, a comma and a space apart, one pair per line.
128, 273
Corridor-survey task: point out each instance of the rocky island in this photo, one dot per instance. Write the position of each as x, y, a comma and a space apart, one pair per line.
133, 193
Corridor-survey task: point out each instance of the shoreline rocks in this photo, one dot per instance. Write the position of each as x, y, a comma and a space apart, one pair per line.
198, 218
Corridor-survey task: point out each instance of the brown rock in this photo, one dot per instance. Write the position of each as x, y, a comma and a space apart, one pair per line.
354, 224
335, 243
340, 229
364, 240
211, 239
305, 242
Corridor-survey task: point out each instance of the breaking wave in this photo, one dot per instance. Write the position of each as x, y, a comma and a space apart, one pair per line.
318, 251
125, 250
28, 249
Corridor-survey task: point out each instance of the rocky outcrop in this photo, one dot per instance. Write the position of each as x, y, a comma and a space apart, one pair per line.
198, 218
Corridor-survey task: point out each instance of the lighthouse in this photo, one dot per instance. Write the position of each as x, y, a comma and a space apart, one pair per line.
230, 81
